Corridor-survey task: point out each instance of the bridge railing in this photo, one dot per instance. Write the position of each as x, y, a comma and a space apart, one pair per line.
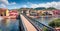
21, 24
37, 28
39, 25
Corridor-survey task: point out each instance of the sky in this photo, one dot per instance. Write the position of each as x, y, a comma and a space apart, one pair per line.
15, 4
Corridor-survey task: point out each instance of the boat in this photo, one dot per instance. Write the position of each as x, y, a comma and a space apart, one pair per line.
1, 18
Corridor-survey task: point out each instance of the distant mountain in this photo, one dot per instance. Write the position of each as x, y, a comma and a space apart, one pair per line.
43, 8
40, 8
51, 8
24, 9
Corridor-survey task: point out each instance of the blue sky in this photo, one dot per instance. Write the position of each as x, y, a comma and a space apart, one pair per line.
13, 4
32, 1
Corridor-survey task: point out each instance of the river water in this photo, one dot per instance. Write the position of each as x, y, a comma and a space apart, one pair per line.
9, 25
45, 20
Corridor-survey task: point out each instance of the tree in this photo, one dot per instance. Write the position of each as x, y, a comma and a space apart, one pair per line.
55, 23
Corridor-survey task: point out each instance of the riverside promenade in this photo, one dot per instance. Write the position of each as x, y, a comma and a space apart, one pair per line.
27, 24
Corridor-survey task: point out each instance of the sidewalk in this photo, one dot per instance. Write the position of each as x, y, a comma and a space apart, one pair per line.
28, 25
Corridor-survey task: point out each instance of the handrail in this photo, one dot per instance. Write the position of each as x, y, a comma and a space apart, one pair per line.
21, 24
37, 28
50, 28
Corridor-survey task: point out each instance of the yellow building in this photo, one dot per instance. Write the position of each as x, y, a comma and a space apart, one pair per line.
4, 12
7, 12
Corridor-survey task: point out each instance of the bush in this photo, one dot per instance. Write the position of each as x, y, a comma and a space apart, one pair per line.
55, 23
45, 29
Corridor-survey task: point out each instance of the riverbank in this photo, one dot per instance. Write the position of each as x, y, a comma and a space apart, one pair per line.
40, 16
9, 17
47, 16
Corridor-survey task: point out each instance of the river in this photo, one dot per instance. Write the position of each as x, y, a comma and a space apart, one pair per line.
45, 20
9, 25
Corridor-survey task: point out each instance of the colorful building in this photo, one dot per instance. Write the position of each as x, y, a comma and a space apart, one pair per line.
33, 12
7, 12
4, 12
44, 12
13, 13
56, 12
57, 29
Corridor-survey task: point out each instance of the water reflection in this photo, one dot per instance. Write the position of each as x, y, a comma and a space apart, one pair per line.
45, 20
9, 25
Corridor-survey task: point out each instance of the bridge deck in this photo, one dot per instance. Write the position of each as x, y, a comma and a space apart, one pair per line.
28, 25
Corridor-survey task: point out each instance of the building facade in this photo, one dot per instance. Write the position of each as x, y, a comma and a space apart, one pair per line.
4, 12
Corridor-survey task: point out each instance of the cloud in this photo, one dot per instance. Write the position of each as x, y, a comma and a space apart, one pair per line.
24, 6
15, 7
46, 5
13, 3
4, 3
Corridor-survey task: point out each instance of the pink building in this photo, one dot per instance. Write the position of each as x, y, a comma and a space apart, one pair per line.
13, 13
56, 12
57, 29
